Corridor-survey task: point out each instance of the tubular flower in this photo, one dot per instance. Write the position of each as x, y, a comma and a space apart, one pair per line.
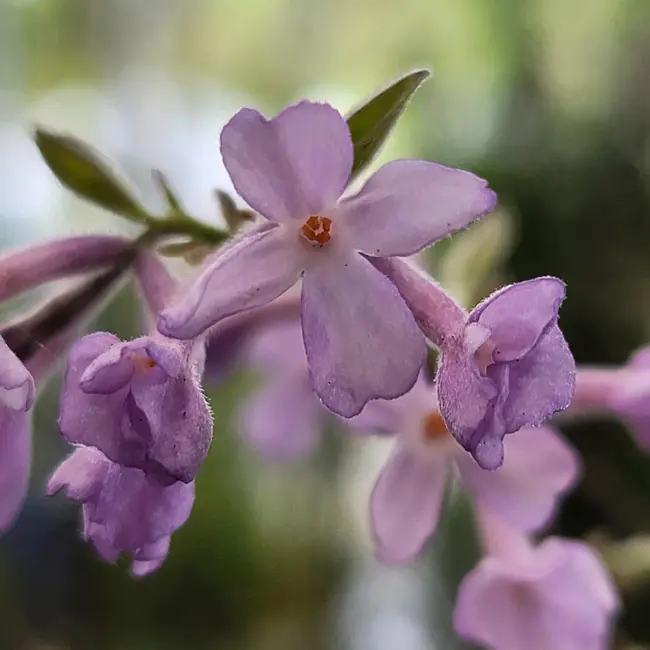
140, 403
623, 391
407, 499
555, 595
511, 368
122, 511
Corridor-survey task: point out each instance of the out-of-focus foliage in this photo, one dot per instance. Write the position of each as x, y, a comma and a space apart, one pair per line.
82, 170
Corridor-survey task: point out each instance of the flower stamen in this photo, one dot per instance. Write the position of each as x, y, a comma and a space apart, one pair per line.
142, 364
434, 427
317, 229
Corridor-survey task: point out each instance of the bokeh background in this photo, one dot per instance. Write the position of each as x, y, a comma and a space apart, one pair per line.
547, 99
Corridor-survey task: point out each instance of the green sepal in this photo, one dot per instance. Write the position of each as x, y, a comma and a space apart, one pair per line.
173, 202
86, 172
233, 216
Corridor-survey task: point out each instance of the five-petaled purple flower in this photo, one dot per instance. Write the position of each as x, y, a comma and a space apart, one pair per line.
556, 595
406, 502
139, 402
510, 368
16, 398
361, 340
123, 512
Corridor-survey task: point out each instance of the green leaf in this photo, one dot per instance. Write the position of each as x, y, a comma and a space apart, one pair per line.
86, 172
371, 124
233, 216
172, 200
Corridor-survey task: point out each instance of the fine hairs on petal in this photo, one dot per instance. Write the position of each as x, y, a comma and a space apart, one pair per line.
519, 376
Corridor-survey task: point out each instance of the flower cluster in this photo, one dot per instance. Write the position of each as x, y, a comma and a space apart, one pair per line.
319, 293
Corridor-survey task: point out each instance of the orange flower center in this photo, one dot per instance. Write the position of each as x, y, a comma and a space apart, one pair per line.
317, 229
433, 426
142, 364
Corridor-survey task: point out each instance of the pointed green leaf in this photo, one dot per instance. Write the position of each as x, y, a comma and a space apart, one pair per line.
233, 216
86, 172
172, 200
371, 124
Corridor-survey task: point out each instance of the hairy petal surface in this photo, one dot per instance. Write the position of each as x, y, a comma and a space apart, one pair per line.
93, 420
122, 510
253, 271
519, 314
409, 204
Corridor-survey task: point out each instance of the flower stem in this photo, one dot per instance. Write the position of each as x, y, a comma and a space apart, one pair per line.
439, 316
177, 225
594, 387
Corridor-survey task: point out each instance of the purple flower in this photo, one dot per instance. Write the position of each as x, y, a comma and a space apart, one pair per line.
623, 391
406, 502
16, 398
284, 417
122, 511
557, 595
139, 402
510, 368
360, 339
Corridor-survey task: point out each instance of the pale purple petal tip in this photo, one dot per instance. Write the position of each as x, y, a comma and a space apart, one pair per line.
361, 341
560, 597
409, 204
292, 166
539, 468
406, 503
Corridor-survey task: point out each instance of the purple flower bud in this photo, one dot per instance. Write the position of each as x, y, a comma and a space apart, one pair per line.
512, 368
28, 268
555, 595
122, 511
17, 392
293, 169
157, 285
139, 402
623, 391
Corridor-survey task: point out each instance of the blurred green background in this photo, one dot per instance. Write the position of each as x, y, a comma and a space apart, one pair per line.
547, 99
